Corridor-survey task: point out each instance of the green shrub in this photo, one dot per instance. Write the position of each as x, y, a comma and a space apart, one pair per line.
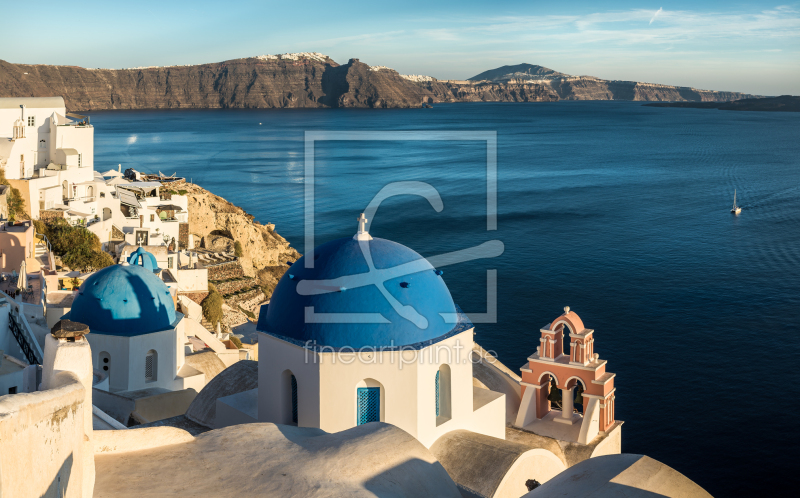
236, 342
182, 192
16, 203
237, 249
85, 259
79, 248
212, 307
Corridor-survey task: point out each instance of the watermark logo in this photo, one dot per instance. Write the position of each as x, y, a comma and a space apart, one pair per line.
379, 276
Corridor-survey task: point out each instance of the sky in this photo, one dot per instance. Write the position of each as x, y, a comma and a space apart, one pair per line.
751, 47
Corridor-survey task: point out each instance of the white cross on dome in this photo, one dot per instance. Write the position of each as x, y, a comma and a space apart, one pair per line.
362, 233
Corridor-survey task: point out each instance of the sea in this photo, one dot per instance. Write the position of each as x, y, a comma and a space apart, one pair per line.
618, 210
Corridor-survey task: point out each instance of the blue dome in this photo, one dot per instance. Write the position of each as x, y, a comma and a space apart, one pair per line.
308, 301
124, 300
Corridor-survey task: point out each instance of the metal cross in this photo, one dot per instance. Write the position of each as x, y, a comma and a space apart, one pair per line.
362, 220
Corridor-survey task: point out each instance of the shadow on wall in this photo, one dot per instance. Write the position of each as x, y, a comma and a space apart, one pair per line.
60, 481
10, 246
412, 473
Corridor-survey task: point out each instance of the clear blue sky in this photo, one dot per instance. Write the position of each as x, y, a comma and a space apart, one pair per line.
743, 46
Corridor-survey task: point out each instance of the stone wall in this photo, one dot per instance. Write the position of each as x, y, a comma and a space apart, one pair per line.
225, 271
230, 286
49, 215
183, 235
247, 300
194, 296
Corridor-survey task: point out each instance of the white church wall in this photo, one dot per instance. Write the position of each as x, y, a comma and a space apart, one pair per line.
164, 344
273, 404
341, 374
127, 356
116, 348
489, 413
455, 352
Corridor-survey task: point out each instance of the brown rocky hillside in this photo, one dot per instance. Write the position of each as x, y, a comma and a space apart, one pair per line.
313, 80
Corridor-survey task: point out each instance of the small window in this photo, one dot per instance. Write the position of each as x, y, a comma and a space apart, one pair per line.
294, 399
169, 262
31, 120
12, 390
438, 407
152, 217
151, 366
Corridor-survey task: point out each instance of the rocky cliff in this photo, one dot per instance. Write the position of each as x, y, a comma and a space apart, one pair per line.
216, 225
314, 80
257, 82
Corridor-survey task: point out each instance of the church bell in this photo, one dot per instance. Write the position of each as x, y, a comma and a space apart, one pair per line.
555, 392
579, 395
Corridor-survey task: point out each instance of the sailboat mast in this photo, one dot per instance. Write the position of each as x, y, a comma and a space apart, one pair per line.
734, 198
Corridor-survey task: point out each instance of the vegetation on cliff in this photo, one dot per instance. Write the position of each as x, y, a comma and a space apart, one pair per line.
16, 203
78, 248
212, 306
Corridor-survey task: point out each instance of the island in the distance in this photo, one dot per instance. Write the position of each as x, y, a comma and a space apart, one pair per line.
784, 103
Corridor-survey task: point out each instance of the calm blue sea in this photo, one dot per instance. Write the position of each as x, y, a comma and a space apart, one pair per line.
617, 210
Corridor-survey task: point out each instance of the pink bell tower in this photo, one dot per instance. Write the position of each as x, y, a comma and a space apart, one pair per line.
552, 366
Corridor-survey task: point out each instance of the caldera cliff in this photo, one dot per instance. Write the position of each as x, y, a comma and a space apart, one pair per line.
309, 80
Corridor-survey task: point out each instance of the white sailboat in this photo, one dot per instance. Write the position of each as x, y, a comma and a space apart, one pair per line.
735, 209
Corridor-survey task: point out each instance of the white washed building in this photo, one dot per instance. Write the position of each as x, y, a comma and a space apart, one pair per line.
47, 153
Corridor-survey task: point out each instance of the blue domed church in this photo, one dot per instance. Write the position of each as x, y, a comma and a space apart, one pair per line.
136, 335
365, 329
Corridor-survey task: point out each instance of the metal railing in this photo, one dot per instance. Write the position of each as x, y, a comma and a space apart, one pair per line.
24, 335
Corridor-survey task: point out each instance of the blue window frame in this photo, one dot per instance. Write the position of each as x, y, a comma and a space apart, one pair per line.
294, 400
369, 404
437, 393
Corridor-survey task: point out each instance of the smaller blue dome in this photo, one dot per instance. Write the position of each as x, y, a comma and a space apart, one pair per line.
126, 301
145, 259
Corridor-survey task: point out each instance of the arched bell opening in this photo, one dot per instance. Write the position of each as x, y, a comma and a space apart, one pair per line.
578, 389
566, 340
554, 395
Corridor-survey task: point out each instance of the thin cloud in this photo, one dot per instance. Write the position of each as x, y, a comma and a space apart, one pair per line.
660, 9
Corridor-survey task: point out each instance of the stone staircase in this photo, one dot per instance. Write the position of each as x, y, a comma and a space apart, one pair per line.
209, 258
41, 257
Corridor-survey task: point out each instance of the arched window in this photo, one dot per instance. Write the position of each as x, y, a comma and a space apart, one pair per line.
294, 399
89, 191
289, 400
443, 390
438, 409
151, 366
370, 404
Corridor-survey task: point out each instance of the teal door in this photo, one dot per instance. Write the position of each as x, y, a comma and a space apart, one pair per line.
369, 405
